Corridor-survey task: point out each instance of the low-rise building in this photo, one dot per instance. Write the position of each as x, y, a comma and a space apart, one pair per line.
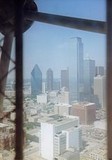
68, 155
86, 112
98, 154
62, 109
62, 135
7, 136
42, 98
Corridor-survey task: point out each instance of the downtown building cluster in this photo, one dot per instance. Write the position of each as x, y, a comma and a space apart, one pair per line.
63, 117
81, 81
79, 91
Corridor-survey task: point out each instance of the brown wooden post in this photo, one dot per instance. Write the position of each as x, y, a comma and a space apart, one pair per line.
109, 78
19, 80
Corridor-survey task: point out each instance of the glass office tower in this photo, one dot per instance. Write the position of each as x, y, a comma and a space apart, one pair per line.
36, 81
89, 74
65, 78
49, 79
76, 70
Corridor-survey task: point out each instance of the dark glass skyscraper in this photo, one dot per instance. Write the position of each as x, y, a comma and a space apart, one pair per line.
49, 79
36, 81
76, 72
65, 79
89, 74
99, 70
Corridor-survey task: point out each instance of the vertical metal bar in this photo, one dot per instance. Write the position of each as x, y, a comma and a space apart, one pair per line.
19, 80
109, 78
4, 65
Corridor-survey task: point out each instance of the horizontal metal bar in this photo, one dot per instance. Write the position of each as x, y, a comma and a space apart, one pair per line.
71, 22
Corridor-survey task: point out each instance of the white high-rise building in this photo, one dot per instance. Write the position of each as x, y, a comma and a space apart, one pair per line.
100, 90
74, 139
59, 143
63, 96
53, 96
42, 98
57, 136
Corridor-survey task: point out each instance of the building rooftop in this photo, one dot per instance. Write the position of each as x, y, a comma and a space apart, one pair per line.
59, 120
71, 129
63, 104
83, 104
69, 155
101, 124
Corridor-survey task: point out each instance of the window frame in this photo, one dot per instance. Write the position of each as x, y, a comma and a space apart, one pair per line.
19, 81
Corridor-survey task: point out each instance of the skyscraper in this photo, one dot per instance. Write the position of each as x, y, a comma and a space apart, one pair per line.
76, 71
89, 74
36, 81
65, 79
49, 79
64, 133
100, 90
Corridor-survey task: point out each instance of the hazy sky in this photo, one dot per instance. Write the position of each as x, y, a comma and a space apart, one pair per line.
46, 45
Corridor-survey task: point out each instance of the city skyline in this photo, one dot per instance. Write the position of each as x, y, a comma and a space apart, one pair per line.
59, 60
70, 62
66, 68
46, 45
